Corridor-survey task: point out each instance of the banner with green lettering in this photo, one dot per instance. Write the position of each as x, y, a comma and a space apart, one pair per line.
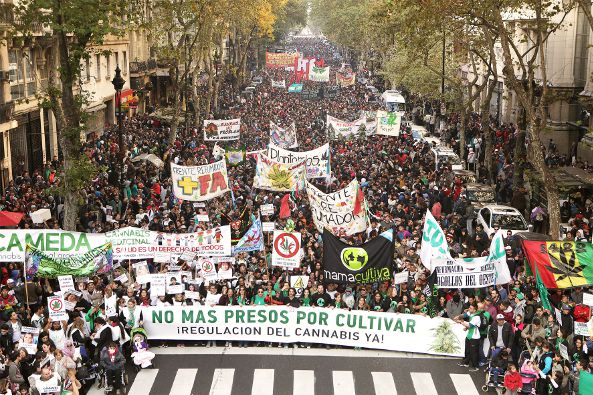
385, 331
96, 261
57, 244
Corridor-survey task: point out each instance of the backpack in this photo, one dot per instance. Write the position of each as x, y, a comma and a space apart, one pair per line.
483, 322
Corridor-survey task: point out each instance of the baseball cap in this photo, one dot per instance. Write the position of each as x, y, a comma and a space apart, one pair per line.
500, 317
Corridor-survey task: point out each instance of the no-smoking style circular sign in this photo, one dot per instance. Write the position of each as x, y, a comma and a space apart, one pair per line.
207, 266
286, 245
55, 304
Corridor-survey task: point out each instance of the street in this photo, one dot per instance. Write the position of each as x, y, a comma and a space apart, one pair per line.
263, 371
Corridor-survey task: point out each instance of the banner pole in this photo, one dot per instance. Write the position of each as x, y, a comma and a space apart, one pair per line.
26, 283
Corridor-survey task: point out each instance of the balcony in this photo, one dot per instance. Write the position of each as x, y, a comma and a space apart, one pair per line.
143, 67
6, 112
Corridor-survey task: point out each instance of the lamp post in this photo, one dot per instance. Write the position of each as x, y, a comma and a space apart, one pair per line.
118, 83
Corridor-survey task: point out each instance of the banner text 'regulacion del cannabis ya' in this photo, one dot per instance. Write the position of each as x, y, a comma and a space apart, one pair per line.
387, 331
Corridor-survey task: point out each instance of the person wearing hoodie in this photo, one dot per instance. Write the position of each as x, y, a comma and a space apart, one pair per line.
14, 371
113, 361
454, 306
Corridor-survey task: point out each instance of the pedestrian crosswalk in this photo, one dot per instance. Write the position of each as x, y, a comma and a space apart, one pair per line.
186, 381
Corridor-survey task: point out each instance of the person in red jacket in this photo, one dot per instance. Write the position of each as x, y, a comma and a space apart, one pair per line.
512, 380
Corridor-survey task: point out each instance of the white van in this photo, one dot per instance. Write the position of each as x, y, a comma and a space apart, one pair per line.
444, 155
393, 101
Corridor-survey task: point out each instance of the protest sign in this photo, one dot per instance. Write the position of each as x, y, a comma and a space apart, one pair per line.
336, 127
142, 272
136, 243
281, 59
286, 251
208, 269
299, 283
279, 84
203, 218
266, 209
401, 277
335, 211
66, 283
319, 74
274, 176
283, 137
389, 123
295, 88
56, 244
56, 308
123, 278
583, 329
376, 330
588, 299
268, 226
224, 130
192, 295
96, 261
158, 284
199, 183
317, 160
345, 79
174, 289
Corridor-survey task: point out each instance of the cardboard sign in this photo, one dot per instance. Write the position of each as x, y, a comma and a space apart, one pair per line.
268, 226
582, 329
158, 284
122, 279
187, 256
203, 218
175, 289
401, 277
588, 299
193, 295
57, 308
66, 283
162, 257
199, 204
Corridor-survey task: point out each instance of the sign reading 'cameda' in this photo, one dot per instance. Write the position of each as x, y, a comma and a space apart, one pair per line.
397, 332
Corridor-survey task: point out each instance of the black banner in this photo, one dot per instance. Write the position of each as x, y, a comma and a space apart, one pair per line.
364, 264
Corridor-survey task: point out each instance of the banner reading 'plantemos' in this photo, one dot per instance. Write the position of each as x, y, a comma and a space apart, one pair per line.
335, 211
280, 177
199, 183
280, 60
136, 243
317, 159
221, 129
377, 330
367, 263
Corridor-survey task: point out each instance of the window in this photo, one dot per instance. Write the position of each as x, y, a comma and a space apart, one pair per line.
124, 66
98, 66
29, 72
116, 58
108, 71
581, 49
17, 81
87, 69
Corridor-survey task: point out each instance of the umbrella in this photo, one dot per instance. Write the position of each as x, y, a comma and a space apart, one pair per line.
10, 218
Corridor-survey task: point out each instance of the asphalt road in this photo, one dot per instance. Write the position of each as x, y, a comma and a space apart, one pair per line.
267, 371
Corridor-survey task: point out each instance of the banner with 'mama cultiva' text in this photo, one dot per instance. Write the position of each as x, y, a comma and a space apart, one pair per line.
385, 331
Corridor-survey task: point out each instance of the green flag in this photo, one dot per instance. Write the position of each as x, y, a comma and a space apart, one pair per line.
585, 383
543, 291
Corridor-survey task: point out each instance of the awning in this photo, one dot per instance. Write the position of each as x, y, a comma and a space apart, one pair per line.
10, 218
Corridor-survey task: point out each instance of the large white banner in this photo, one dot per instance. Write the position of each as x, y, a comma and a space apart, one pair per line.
221, 129
434, 244
286, 249
389, 123
335, 210
280, 177
376, 330
136, 243
57, 244
285, 138
319, 74
199, 183
318, 163
336, 127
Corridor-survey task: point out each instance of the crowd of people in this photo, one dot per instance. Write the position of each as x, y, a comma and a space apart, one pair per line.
400, 182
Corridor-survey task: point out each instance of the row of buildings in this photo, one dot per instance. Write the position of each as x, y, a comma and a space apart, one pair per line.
28, 135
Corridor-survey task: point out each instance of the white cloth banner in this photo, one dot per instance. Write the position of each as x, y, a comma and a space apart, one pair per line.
136, 243
389, 123
283, 137
336, 127
199, 183
335, 210
280, 177
222, 129
279, 84
57, 244
434, 243
319, 74
317, 160
376, 330
286, 249
370, 122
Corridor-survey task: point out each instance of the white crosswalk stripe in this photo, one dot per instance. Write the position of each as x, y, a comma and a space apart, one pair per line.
343, 383
423, 383
263, 382
304, 382
184, 381
383, 383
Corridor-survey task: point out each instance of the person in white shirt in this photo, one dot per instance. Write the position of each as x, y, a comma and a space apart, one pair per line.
212, 298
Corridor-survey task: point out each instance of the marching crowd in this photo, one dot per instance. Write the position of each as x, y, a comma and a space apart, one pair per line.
400, 183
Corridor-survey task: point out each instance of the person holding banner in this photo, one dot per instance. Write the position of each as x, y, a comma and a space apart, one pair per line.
472, 340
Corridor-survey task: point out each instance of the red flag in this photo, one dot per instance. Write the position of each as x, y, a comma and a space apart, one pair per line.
358, 202
285, 207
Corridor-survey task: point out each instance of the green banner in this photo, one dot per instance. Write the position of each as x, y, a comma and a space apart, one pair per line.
97, 260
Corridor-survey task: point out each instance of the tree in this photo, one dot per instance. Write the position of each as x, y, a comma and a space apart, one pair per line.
74, 29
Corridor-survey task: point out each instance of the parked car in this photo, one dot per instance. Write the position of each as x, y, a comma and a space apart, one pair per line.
501, 217
466, 176
481, 195
444, 155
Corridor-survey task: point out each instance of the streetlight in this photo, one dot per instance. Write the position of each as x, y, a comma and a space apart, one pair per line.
118, 83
